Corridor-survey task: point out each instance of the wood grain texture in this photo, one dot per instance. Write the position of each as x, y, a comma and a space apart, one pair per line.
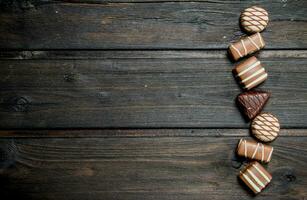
134, 89
158, 69
143, 167
135, 133
144, 25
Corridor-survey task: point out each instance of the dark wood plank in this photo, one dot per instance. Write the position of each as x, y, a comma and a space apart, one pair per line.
115, 133
143, 168
144, 90
173, 25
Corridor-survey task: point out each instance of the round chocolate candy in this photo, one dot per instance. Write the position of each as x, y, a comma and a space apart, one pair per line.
254, 19
265, 127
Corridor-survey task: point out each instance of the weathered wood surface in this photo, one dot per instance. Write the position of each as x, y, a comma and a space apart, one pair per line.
126, 133
144, 167
73, 72
143, 89
143, 25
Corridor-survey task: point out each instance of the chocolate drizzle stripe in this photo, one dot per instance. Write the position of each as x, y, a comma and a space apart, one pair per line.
262, 153
264, 133
253, 43
253, 75
255, 151
255, 178
261, 10
255, 187
251, 72
256, 101
255, 82
243, 44
249, 68
259, 15
256, 9
253, 22
237, 50
251, 25
270, 155
254, 18
260, 39
262, 174
248, 19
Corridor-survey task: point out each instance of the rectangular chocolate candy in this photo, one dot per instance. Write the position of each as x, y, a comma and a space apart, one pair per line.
255, 177
254, 150
250, 73
246, 46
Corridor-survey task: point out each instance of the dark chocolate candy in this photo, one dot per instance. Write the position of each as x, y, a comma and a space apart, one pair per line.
252, 102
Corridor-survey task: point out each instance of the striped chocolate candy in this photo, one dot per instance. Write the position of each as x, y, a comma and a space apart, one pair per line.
250, 73
246, 46
254, 150
255, 177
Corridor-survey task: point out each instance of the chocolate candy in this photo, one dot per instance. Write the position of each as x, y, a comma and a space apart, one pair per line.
254, 19
265, 127
255, 177
246, 46
254, 150
250, 73
252, 102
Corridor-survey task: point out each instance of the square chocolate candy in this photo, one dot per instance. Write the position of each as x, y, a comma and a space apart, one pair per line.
255, 177
250, 73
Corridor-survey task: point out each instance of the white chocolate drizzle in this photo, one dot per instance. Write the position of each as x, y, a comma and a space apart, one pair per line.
258, 151
243, 44
255, 178
253, 75
255, 82
249, 68
242, 41
262, 174
270, 155
237, 50
262, 153
254, 43
260, 39
255, 151
255, 187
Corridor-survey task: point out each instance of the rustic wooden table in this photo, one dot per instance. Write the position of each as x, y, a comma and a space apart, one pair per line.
134, 99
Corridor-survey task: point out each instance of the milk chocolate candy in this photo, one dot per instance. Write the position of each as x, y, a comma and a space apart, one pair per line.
254, 150
255, 177
250, 73
265, 127
254, 19
246, 46
252, 102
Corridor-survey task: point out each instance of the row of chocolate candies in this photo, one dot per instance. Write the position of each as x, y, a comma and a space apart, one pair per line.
250, 74
265, 126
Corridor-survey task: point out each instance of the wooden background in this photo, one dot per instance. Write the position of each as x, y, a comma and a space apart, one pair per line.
134, 99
